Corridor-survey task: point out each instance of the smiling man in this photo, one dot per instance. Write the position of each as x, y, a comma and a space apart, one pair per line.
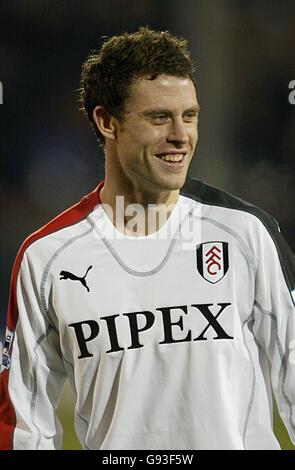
174, 327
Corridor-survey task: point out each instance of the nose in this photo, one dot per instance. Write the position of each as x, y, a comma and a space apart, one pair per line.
178, 132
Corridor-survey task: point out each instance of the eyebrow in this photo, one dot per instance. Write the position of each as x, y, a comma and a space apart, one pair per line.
155, 111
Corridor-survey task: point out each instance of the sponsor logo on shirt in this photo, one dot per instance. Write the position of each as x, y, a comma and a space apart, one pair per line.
171, 326
212, 260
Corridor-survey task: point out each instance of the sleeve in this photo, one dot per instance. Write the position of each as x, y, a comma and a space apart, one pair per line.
274, 315
32, 372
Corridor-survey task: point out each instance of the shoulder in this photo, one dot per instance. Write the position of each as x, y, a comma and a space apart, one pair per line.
247, 217
215, 197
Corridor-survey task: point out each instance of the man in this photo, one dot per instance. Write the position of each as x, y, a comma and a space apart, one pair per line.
173, 326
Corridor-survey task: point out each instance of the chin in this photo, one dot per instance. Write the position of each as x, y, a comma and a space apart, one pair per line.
172, 184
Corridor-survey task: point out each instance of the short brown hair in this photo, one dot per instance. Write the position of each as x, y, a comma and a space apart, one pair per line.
108, 73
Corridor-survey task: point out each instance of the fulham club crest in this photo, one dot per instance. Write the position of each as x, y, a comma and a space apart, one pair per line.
212, 260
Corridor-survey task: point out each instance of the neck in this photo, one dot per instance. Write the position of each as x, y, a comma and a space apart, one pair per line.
135, 211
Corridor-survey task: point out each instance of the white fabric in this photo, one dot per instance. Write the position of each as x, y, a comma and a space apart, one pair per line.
210, 393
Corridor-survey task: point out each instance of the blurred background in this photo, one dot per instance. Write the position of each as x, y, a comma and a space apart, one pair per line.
49, 157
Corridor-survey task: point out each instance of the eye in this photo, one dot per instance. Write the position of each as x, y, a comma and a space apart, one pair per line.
160, 118
193, 116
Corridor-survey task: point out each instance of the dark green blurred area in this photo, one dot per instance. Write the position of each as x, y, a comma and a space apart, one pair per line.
282, 435
70, 441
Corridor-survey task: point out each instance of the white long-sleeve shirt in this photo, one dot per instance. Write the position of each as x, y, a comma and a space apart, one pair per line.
175, 340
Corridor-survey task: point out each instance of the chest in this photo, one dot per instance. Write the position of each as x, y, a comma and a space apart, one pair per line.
107, 302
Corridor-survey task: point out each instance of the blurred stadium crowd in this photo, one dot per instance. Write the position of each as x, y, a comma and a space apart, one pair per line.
244, 55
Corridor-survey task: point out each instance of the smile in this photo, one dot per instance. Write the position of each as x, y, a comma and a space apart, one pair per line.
171, 158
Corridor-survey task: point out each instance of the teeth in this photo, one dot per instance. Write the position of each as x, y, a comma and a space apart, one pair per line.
171, 158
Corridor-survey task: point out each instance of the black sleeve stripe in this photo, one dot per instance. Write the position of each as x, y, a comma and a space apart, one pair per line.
206, 194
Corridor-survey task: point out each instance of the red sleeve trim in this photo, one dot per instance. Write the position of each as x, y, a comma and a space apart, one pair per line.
67, 218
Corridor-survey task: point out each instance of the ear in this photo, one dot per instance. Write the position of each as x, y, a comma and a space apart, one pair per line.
106, 124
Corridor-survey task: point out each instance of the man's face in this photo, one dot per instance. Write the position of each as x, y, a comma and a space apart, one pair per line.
157, 138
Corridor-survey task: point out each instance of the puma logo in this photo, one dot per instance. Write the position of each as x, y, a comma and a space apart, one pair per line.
64, 275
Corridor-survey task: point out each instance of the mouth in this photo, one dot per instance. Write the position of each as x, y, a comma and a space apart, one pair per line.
173, 160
